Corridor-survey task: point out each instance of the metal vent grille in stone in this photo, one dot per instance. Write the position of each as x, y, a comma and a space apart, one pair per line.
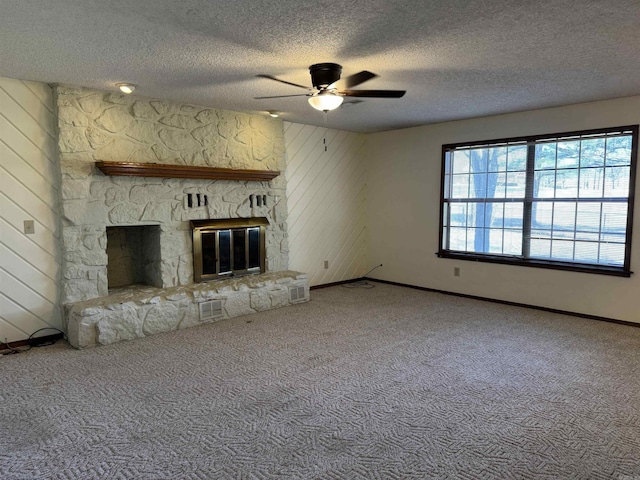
296, 294
211, 310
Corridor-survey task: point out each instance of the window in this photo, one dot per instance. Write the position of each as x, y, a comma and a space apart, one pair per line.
557, 201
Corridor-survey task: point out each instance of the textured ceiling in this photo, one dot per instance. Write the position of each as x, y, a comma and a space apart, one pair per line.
456, 59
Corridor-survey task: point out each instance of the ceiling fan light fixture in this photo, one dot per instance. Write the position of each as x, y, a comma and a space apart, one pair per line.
127, 88
326, 101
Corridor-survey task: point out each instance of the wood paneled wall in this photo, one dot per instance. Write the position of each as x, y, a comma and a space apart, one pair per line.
326, 197
29, 264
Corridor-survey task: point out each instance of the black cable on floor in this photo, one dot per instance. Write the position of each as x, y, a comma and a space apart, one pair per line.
362, 283
44, 343
33, 342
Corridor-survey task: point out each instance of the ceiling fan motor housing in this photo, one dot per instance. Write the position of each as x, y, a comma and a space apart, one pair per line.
324, 74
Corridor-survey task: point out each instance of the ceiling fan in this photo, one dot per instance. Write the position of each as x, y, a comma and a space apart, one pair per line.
329, 89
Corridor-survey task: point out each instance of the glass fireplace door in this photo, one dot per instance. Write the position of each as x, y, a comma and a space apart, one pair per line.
224, 252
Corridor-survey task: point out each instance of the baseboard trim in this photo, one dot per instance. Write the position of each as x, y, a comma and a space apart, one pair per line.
32, 342
506, 302
333, 284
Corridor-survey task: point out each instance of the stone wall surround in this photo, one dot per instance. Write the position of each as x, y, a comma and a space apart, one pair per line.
96, 126
135, 313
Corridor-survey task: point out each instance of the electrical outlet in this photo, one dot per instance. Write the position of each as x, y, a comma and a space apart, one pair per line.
456, 271
29, 227
326, 264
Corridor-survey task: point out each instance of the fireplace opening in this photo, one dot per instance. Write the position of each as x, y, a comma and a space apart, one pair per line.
231, 247
133, 254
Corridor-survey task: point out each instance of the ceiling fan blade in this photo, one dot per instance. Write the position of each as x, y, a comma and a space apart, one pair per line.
348, 103
373, 93
282, 96
353, 80
283, 81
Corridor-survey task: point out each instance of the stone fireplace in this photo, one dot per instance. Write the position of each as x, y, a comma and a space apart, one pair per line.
122, 230
97, 126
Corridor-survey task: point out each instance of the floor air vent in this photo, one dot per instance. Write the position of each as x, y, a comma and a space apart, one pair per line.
296, 294
211, 310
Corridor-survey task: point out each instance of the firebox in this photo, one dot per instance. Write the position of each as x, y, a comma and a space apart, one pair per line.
229, 247
133, 254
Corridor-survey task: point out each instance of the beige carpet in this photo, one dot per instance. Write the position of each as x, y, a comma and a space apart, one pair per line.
386, 383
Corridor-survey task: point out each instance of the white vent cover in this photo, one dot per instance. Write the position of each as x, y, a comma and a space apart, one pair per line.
211, 310
296, 294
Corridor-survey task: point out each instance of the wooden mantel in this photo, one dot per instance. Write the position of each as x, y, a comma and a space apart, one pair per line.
128, 169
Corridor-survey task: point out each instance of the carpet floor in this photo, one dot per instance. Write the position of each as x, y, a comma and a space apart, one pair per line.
381, 383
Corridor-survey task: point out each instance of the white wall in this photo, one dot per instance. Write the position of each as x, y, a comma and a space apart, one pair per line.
29, 264
404, 194
326, 196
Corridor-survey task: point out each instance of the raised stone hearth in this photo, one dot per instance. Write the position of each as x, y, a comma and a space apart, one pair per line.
139, 312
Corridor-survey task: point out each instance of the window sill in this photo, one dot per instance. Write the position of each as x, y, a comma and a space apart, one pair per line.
553, 265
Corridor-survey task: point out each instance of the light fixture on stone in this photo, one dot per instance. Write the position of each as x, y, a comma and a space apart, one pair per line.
273, 113
325, 101
127, 88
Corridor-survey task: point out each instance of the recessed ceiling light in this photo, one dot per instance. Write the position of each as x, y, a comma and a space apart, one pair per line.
126, 87
273, 113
